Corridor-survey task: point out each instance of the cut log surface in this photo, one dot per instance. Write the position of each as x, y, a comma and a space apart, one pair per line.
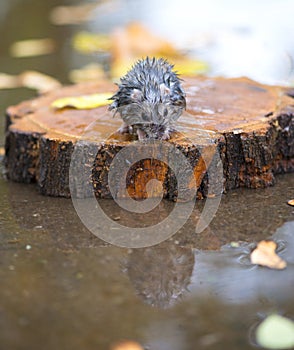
247, 126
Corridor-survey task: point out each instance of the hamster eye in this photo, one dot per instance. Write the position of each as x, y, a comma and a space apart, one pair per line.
179, 102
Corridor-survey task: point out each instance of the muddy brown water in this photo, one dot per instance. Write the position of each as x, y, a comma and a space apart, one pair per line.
64, 288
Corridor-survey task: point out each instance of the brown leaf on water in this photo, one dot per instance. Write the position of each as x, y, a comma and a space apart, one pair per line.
38, 81
265, 255
291, 202
32, 47
127, 345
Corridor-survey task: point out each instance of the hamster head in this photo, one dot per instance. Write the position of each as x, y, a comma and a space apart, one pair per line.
150, 93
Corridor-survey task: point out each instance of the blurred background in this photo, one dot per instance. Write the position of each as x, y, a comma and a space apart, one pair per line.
45, 43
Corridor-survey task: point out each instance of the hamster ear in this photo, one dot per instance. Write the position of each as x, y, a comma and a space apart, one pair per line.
137, 95
164, 90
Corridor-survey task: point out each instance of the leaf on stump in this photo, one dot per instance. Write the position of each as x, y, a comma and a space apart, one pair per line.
83, 102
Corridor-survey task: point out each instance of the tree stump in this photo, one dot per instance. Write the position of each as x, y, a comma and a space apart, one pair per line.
248, 126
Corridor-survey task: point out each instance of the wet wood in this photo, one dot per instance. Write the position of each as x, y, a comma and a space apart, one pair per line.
249, 125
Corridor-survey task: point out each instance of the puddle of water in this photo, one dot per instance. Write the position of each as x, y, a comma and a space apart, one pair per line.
63, 284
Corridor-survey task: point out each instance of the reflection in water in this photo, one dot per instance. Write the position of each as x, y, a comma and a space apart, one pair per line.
160, 275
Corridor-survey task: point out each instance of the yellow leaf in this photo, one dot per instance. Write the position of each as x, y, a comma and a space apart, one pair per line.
32, 47
187, 66
30, 79
83, 102
86, 42
8, 81
75, 14
183, 66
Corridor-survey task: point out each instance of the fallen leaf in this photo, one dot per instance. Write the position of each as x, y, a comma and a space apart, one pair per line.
32, 47
8, 81
127, 345
142, 41
89, 72
12, 241
62, 15
86, 42
291, 202
235, 244
38, 81
187, 66
83, 102
30, 79
264, 254
135, 41
275, 332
